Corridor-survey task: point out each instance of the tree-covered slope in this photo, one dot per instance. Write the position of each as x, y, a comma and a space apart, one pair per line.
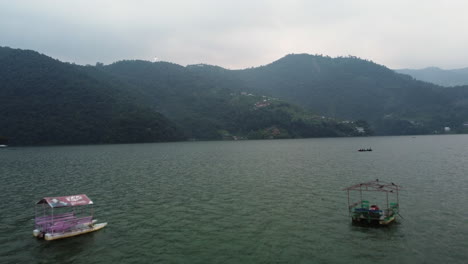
352, 88
45, 101
208, 102
346, 88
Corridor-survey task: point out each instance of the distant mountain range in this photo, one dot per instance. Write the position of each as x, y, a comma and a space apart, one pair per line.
352, 88
45, 101
439, 76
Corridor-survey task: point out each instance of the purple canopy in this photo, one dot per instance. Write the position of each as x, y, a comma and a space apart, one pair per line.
66, 201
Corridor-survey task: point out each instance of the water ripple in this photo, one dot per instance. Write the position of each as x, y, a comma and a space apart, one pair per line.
240, 202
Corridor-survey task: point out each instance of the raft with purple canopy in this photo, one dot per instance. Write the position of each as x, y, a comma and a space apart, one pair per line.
64, 216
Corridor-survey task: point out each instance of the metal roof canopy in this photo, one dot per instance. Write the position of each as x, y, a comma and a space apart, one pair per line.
374, 186
66, 201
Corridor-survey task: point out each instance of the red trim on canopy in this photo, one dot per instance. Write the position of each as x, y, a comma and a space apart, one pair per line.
66, 201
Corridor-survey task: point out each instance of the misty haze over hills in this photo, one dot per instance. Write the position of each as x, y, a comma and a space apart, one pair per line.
45, 101
439, 76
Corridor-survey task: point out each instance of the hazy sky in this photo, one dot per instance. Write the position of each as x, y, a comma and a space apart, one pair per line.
240, 33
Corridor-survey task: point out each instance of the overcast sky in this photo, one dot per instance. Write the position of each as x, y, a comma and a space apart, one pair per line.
240, 33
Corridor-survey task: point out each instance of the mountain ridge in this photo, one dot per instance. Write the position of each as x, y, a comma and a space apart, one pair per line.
348, 88
446, 78
45, 101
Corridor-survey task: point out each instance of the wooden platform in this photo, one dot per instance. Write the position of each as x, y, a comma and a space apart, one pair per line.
76, 232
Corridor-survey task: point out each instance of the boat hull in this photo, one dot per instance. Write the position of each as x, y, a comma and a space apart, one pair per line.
76, 232
387, 220
374, 222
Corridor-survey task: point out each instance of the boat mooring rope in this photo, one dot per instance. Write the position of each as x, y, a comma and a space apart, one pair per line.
401, 216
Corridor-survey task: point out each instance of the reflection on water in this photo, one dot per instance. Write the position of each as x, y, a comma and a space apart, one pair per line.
237, 202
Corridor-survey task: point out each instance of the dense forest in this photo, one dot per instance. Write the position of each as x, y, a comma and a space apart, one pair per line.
352, 88
45, 101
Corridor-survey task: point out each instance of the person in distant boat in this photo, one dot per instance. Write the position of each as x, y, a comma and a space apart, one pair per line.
374, 207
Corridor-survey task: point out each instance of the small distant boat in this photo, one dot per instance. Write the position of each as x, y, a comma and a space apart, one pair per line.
363, 150
3, 146
362, 213
63, 223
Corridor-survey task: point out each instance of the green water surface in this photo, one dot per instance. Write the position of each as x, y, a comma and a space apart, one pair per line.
272, 201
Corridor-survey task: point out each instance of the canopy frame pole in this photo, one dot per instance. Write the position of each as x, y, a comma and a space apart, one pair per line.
349, 206
360, 192
53, 220
387, 201
397, 196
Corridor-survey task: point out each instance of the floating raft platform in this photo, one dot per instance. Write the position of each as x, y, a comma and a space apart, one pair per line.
363, 213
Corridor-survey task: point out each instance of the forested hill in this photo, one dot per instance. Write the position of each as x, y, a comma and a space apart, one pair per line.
439, 76
352, 88
207, 102
45, 101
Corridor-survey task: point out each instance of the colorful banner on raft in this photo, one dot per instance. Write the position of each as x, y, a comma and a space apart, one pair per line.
66, 201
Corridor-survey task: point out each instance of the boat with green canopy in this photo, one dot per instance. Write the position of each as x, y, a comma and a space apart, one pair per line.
364, 212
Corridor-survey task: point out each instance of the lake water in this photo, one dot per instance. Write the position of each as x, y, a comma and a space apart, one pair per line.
272, 201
